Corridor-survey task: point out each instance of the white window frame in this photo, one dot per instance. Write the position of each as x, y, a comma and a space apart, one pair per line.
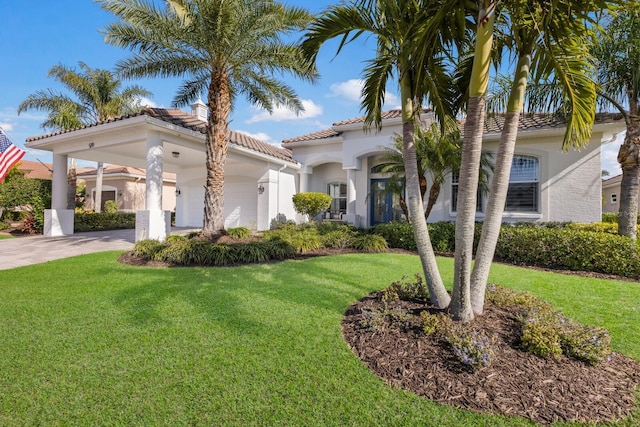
524, 176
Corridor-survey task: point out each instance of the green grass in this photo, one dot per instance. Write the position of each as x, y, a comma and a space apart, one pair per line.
88, 341
6, 236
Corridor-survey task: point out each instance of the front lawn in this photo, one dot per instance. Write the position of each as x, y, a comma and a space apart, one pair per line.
89, 341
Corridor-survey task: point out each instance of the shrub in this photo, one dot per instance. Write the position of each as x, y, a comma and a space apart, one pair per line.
104, 221
438, 323
311, 204
239, 232
339, 238
175, 238
147, 249
503, 297
370, 243
110, 206
474, 349
590, 344
406, 290
568, 249
397, 234
380, 320
540, 333
4, 225
596, 227
279, 249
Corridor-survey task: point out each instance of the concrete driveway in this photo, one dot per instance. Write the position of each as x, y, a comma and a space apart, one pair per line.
37, 249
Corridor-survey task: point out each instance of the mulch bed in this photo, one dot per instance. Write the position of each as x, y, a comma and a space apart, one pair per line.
516, 383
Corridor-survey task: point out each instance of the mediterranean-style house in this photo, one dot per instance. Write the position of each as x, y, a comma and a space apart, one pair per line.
611, 191
126, 185
344, 161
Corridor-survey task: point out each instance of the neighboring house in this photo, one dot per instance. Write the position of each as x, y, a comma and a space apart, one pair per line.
611, 194
344, 161
35, 169
127, 186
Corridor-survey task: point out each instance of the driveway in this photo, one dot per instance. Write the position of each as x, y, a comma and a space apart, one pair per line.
37, 249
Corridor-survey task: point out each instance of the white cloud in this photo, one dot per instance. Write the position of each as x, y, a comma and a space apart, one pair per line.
7, 127
282, 113
609, 156
146, 102
260, 136
351, 90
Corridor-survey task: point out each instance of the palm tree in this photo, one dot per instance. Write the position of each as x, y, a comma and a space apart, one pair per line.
471, 154
555, 33
409, 51
226, 48
617, 50
438, 154
96, 95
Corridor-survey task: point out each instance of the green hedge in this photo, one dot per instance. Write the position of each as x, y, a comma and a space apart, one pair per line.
613, 217
568, 249
564, 246
184, 252
103, 221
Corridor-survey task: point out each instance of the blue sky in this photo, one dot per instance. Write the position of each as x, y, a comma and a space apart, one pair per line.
37, 34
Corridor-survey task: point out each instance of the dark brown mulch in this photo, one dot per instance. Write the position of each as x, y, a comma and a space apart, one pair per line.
516, 382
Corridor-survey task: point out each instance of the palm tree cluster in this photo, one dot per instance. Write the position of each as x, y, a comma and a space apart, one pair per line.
439, 53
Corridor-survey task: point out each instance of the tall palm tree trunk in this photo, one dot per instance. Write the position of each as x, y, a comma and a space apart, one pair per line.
219, 103
434, 192
499, 187
470, 166
629, 159
437, 293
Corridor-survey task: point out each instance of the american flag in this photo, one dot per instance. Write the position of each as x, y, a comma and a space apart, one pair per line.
9, 155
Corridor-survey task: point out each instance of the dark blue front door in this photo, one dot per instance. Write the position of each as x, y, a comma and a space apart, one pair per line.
385, 205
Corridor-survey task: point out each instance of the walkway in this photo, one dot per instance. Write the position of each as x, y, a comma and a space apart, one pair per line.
38, 249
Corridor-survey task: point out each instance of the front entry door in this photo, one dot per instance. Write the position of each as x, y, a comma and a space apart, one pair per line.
385, 205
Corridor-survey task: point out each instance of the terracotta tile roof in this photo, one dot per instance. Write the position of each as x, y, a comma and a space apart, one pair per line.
386, 115
495, 122
116, 169
321, 134
189, 121
35, 169
606, 182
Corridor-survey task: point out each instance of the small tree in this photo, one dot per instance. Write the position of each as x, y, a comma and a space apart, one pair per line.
27, 194
311, 204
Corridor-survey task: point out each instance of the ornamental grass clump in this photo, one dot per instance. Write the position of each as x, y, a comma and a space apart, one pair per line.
370, 243
239, 232
338, 239
147, 249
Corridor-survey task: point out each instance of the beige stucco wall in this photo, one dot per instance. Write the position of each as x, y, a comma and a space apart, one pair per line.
130, 193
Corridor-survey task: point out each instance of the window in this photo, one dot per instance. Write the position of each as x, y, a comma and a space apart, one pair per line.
338, 190
614, 198
524, 185
454, 195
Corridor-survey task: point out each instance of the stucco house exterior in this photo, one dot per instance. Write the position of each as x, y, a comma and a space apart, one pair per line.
611, 192
547, 184
127, 186
343, 161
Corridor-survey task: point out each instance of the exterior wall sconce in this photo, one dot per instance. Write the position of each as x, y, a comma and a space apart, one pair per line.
91, 145
260, 188
177, 191
175, 154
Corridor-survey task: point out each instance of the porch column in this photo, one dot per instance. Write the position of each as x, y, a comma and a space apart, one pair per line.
153, 223
58, 221
351, 216
351, 191
304, 178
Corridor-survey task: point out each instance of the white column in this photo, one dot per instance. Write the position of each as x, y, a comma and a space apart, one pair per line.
58, 221
351, 216
153, 223
304, 182
59, 184
154, 173
351, 191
